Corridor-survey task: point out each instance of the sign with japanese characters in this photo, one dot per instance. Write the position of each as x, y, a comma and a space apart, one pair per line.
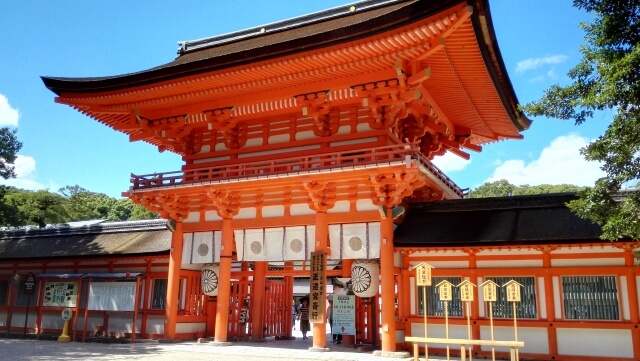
466, 290
489, 291
444, 290
60, 294
423, 274
344, 314
318, 287
513, 291
112, 296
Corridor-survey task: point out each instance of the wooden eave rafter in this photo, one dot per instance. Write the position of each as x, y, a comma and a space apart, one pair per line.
440, 56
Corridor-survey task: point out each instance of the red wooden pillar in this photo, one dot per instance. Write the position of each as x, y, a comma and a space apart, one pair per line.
387, 283
224, 282
258, 300
289, 296
173, 286
551, 308
322, 236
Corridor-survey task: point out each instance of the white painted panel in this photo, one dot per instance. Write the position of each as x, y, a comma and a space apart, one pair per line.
412, 294
300, 210
365, 205
277, 151
448, 264
272, 211
208, 160
254, 142
624, 298
204, 149
594, 342
438, 330
345, 129
483, 307
586, 262
557, 297
397, 259
363, 127
508, 251
280, 138
507, 263
189, 327
536, 339
340, 207
220, 146
542, 303
212, 216
439, 253
587, 249
193, 217
305, 135
155, 325
399, 336
246, 213
353, 141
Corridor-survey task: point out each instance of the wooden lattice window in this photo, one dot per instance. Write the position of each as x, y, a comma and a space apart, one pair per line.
526, 308
159, 294
590, 298
435, 307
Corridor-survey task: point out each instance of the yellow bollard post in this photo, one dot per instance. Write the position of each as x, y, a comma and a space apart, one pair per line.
66, 316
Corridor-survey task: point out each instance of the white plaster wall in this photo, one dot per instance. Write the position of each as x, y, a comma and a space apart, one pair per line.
207, 160
508, 252
587, 249
508, 263
438, 330
536, 339
210, 216
305, 135
193, 217
272, 211
624, 297
277, 151
246, 213
557, 297
191, 327
353, 141
437, 253
155, 324
448, 264
365, 205
340, 207
541, 298
122, 323
594, 342
581, 262
300, 210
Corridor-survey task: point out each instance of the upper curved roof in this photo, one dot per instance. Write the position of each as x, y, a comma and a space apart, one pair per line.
468, 78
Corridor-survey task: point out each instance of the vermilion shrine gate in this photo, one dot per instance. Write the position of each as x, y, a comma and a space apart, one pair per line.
287, 130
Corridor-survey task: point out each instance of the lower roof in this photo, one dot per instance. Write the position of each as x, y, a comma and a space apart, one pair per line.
518, 220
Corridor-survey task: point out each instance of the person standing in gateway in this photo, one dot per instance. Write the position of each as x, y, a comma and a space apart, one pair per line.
303, 315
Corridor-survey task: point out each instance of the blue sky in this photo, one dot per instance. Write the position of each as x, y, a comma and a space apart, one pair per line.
539, 41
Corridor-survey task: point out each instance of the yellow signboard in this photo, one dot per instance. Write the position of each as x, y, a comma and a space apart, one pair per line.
318, 287
489, 291
513, 291
423, 274
466, 290
444, 290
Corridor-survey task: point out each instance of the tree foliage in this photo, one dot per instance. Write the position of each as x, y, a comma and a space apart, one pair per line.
607, 78
19, 207
502, 188
9, 148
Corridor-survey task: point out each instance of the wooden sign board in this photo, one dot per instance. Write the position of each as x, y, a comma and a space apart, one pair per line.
423, 274
444, 290
318, 287
513, 291
489, 291
466, 290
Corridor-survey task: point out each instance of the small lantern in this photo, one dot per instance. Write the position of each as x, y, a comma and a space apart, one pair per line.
365, 277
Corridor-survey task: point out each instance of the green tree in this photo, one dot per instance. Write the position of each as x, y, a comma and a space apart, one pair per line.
83, 205
607, 78
502, 188
9, 148
38, 207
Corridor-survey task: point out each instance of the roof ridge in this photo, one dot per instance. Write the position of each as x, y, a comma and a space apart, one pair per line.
187, 46
107, 227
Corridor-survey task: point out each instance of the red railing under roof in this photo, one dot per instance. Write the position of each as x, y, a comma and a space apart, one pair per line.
370, 157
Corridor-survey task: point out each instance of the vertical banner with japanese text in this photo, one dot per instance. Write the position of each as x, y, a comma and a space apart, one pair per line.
318, 287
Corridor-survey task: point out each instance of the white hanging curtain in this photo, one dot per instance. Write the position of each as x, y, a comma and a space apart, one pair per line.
295, 243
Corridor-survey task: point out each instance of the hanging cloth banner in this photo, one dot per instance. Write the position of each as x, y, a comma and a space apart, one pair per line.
201, 247
355, 240
275, 244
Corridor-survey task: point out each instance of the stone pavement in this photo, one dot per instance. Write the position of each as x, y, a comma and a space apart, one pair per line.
12, 349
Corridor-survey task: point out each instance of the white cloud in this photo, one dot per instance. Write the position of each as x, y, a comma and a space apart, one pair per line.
450, 162
535, 63
559, 163
25, 167
8, 115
